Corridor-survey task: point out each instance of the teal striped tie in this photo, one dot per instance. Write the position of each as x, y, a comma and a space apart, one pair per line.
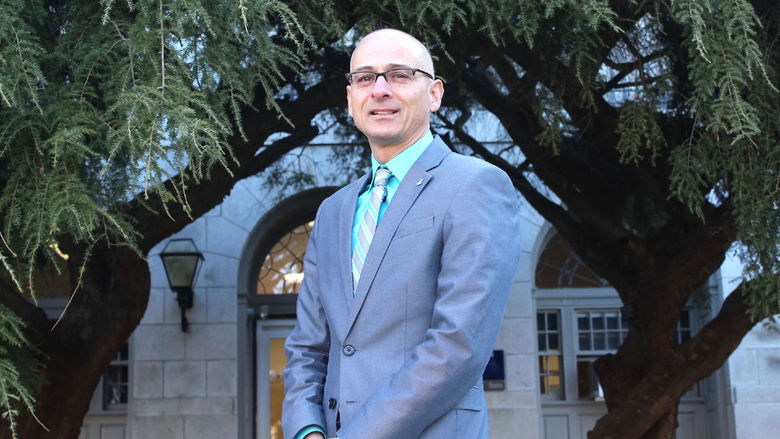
368, 224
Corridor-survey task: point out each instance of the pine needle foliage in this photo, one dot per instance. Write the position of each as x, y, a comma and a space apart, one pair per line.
103, 101
735, 142
19, 371
732, 153
639, 133
136, 94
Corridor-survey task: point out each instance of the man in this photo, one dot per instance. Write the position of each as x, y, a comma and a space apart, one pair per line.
396, 324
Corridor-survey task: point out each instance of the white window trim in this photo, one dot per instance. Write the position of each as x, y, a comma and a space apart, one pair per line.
567, 301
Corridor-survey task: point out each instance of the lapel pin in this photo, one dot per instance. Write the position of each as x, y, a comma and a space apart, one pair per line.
419, 182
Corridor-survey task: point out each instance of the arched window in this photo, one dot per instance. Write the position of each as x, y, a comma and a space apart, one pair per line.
276, 263
282, 269
560, 267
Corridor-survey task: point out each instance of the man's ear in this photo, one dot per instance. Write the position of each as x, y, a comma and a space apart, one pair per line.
436, 92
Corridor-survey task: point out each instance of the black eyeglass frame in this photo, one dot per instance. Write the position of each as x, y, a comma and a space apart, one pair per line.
384, 74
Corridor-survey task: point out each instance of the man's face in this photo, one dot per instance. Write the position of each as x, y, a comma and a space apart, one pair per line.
392, 117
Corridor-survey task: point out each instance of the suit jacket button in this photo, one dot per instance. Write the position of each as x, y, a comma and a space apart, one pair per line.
348, 350
332, 403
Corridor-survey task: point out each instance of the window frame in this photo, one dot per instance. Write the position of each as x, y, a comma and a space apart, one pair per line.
106, 382
568, 302
552, 396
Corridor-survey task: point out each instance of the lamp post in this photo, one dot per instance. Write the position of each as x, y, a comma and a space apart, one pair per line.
181, 260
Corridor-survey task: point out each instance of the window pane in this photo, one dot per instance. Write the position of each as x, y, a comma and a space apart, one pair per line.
540, 321
685, 319
613, 338
582, 322
597, 320
276, 363
585, 342
550, 378
588, 387
552, 321
586, 379
551, 385
684, 326
282, 270
553, 342
542, 342
599, 341
613, 322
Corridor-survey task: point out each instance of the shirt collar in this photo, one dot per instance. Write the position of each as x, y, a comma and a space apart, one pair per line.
402, 163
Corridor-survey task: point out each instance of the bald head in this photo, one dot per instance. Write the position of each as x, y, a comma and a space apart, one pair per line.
393, 112
383, 38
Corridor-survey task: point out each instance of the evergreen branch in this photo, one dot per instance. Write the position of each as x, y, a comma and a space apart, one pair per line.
11, 271
242, 8
14, 379
82, 269
162, 51
6, 244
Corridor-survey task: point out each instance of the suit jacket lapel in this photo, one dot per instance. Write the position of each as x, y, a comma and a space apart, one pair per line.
412, 185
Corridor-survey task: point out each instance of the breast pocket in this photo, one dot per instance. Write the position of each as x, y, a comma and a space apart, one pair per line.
412, 226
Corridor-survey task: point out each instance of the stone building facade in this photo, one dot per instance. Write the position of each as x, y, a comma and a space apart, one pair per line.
221, 379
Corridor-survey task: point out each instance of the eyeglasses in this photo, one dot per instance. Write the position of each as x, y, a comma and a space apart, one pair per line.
393, 77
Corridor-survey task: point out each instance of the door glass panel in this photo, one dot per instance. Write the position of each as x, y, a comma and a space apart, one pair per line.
276, 363
271, 361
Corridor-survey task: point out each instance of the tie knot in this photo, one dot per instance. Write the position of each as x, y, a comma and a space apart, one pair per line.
381, 177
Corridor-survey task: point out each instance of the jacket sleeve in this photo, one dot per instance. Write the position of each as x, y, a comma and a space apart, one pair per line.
480, 253
306, 349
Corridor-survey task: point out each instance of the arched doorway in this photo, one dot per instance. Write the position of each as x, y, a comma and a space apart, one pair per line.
270, 275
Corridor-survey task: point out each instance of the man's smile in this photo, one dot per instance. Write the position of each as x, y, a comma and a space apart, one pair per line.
382, 112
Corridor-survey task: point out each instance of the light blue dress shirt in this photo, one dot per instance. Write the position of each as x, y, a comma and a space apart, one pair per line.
399, 166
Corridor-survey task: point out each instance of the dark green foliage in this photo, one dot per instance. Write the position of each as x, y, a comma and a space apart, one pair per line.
103, 102
19, 370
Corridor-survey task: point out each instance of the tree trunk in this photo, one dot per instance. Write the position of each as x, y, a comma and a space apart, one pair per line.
664, 428
77, 351
646, 408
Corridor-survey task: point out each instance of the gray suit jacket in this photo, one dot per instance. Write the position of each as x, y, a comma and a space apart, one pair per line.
403, 359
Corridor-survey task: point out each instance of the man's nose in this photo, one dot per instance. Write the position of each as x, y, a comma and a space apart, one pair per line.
381, 87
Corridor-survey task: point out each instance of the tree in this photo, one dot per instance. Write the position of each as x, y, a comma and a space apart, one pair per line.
652, 123
121, 122
655, 125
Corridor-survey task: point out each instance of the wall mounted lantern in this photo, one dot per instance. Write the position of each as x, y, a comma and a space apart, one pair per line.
181, 260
